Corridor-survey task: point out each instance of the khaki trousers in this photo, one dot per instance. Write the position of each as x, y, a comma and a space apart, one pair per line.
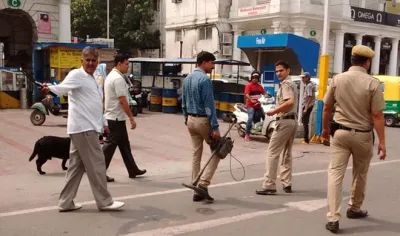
200, 131
280, 146
343, 144
86, 153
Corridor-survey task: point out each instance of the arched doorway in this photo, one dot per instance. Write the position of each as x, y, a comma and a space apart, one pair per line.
17, 34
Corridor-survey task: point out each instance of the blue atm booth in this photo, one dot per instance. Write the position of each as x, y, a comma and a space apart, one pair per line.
264, 50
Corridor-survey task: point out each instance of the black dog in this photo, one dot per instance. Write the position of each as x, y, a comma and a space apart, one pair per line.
48, 147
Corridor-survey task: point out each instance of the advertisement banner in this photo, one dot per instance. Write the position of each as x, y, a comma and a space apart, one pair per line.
44, 24
64, 57
393, 7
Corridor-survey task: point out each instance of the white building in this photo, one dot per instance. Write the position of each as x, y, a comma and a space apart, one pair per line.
200, 25
23, 22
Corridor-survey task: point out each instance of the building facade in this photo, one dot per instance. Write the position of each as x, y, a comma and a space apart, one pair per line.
24, 22
372, 23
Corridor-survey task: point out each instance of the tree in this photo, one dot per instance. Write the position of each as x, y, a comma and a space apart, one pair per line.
128, 22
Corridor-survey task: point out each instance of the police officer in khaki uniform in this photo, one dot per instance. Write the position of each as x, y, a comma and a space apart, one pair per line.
359, 106
283, 135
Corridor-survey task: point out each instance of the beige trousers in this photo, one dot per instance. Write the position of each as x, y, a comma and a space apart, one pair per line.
280, 146
200, 131
85, 153
343, 144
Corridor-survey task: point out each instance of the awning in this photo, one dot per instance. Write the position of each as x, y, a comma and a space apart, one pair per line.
70, 45
185, 61
301, 53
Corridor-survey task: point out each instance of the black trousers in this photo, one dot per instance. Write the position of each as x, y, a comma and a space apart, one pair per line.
118, 137
306, 122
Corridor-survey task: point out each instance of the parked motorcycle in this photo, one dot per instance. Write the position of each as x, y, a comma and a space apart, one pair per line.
263, 127
139, 95
133, 106
46, 107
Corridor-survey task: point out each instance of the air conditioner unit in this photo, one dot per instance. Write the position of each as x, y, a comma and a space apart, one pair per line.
226, 38
176, 1
227, 50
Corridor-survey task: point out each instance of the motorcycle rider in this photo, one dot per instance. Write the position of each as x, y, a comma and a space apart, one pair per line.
253, 92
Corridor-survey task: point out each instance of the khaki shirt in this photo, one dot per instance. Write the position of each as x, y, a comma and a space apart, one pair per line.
286, 91
357, 95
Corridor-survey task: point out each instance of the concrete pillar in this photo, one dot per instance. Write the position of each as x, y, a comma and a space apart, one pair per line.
359, 38
377, 58
362, 4
338, 56
298, 27
394, 53
237, 52
280, 25
64, 21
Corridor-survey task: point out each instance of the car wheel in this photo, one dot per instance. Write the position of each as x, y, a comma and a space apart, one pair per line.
390, 121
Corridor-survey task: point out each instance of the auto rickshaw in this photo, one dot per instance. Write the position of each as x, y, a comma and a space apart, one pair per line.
391, 94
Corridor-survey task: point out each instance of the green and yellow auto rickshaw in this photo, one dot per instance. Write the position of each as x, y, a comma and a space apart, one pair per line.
391, 94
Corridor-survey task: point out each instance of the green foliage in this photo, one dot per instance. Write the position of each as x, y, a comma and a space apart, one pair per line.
128, 22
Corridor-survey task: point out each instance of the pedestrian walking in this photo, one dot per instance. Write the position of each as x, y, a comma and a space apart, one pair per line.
85, 123
359, 106
201, 120
283, 135
253, 92
117, 111
308, 104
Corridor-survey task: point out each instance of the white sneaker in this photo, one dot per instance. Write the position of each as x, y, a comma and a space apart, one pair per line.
76, 207
113, 207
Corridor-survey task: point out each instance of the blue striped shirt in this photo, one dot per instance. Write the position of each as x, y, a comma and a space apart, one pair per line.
198, 97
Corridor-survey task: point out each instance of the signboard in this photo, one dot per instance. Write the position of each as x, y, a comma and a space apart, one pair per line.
253, 10
44, 24
393, 19
64, 57
368, 16
263, 31
313, 33
14, 3
393, 7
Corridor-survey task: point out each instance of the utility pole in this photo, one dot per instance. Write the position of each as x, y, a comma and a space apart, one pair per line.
108, 19
323, 75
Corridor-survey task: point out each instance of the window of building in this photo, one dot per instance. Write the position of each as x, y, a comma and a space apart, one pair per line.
156, 5
205, 33
178, 35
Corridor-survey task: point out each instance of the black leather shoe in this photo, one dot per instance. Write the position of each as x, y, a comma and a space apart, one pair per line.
332, 226
198, 198
205, 194
288, 189
265, 191
109, 179
352, 214
137, 173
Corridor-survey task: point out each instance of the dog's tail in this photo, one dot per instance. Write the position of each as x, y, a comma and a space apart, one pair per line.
34, 153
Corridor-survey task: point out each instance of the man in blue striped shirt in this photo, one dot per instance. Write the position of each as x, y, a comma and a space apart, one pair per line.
201, 120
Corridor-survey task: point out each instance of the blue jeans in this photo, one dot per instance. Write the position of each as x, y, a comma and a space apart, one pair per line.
250, 112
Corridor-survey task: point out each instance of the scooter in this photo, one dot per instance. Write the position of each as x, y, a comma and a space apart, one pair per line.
264, 127
133, 106
46, 107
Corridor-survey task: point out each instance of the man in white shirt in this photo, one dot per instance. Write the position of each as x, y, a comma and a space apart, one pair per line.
116, 94
85, 123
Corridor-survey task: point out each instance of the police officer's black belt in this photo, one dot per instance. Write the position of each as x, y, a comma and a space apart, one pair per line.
293, 117
197, 115
350, 129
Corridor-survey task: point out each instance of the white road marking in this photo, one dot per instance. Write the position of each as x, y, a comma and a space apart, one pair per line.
312, 205
308, 206
192, 227
151, 194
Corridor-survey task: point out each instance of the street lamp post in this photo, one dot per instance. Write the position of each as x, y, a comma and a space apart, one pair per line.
323, 74
108, 19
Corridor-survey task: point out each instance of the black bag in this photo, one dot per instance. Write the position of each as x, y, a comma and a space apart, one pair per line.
258, 114
222, 147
